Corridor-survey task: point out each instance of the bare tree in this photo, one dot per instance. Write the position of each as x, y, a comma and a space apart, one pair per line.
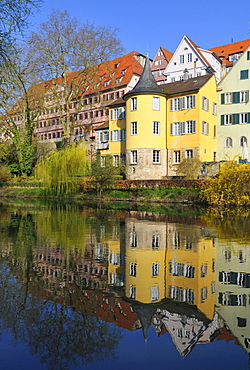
13, 19
68, 53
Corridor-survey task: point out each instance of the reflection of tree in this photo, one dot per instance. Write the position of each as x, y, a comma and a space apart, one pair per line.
230, 223
60, 335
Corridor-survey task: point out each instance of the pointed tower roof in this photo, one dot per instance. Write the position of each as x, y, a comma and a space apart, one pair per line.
146, 83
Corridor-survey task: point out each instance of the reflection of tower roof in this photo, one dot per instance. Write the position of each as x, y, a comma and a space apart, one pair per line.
146, 83
144, 313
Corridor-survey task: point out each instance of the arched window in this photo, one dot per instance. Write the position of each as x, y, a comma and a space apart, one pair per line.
242, 141
228, 142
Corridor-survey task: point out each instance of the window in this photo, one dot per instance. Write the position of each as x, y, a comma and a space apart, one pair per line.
118, 135
118, 80
228, 98
103, 161
244, 96
214, 109
133, 156
115, 160
156, 103
133, 239
154, 293
155, 269
156, 128
184, 102
182, 128
248, 55
243, 141
189, 153
205, 128
158, 62
177, 157
172, 79
156, 156
244, 74
133, 128
117, 113
106, 83
132, 269
228, 142
132, 291
181, 59
155, 241
228, 119
205, 103
133, 104
244, 117
189, 57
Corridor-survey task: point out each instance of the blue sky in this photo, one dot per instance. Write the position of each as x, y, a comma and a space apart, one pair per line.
147, 24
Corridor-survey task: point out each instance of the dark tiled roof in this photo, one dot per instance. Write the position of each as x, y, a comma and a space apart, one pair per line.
146, 83
191, 85
116, 103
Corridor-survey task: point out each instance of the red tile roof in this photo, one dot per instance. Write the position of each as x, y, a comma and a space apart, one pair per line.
225, 50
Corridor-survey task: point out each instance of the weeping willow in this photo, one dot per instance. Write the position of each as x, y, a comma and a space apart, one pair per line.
61, 171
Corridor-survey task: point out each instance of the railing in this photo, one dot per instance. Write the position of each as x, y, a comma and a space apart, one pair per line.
102, 146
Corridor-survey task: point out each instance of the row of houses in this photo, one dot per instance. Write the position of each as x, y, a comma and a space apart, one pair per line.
153, 114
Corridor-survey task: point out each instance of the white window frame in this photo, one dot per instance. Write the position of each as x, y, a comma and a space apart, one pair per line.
134, 128
134, 157
189, 153
133, 103
155, 269
156, 128
115, 160
189, 57
228, 98
182, 59
154, 293
205, 103
205, 128
243, 118
156, 156
177, 157
228, 142
156, 103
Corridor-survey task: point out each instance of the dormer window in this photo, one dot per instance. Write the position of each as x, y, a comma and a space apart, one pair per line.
124, 71
106, 83
118, 80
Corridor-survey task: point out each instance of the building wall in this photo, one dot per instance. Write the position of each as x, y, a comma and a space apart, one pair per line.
145, 141
202, 145
232, 83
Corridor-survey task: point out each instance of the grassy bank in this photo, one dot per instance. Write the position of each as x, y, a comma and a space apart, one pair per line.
133, 195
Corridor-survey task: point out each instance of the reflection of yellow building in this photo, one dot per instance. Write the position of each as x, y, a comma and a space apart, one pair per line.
233, 287
145, 257
190, 267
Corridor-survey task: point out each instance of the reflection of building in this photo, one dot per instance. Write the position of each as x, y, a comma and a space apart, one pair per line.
233, 288
190, 266
145, 260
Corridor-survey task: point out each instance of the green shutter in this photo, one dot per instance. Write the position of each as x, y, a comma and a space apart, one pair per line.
248, 55
222, 98
236, 97
222, 120
248, 117
244, 74
236, 118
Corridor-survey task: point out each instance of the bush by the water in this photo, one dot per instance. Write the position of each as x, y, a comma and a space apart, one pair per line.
231, 187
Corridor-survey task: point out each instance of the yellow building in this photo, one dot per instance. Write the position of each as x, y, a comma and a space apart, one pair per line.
155, 127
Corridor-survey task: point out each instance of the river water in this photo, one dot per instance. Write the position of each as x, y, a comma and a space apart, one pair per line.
87, 288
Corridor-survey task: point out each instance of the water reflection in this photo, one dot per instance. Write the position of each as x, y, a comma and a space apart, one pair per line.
72, 279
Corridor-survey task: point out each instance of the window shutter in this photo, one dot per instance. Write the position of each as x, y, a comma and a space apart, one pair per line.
171, 104
248, 117
194, 101
248, 55
222, 120
236, 118
203, 127
171, 128
236, 97
194, 127
247, 96
222, 98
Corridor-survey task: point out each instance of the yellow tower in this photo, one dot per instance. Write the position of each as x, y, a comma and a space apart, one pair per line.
146, 129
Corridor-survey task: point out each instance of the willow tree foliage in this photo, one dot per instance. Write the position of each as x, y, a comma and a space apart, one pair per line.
61, 171
67, 52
